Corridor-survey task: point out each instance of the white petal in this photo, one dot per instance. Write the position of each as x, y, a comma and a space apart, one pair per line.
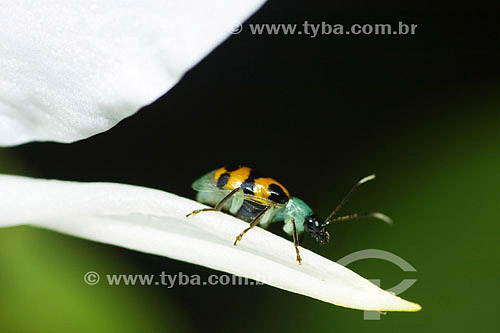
71, 69
154, 222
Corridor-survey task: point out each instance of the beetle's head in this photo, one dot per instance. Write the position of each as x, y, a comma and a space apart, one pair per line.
316, 228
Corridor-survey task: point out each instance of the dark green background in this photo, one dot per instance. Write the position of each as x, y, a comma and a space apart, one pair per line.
421, 111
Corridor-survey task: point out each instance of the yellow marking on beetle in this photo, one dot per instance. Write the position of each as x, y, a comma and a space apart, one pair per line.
219, 173
261, 188
261, 185
237, 177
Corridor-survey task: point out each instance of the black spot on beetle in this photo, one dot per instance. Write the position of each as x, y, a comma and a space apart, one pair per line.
248, 185
223, 179
277, 194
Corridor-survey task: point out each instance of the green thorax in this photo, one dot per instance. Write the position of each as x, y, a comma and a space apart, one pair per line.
296, 209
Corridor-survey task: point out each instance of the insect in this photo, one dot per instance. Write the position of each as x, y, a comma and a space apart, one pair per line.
262, 200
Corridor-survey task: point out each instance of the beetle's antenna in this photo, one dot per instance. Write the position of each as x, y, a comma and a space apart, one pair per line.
335, 211
377, 215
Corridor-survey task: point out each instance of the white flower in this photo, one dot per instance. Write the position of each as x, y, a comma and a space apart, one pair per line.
155, 222
71, 69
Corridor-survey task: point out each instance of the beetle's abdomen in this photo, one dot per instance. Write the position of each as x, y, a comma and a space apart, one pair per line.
251, 183
249, 211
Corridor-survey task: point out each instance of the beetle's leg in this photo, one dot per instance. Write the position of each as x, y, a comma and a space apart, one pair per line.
296, 242
217, 207
237, 202
266, 219
253, 224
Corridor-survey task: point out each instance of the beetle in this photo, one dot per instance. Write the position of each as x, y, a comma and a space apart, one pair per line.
260, 200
